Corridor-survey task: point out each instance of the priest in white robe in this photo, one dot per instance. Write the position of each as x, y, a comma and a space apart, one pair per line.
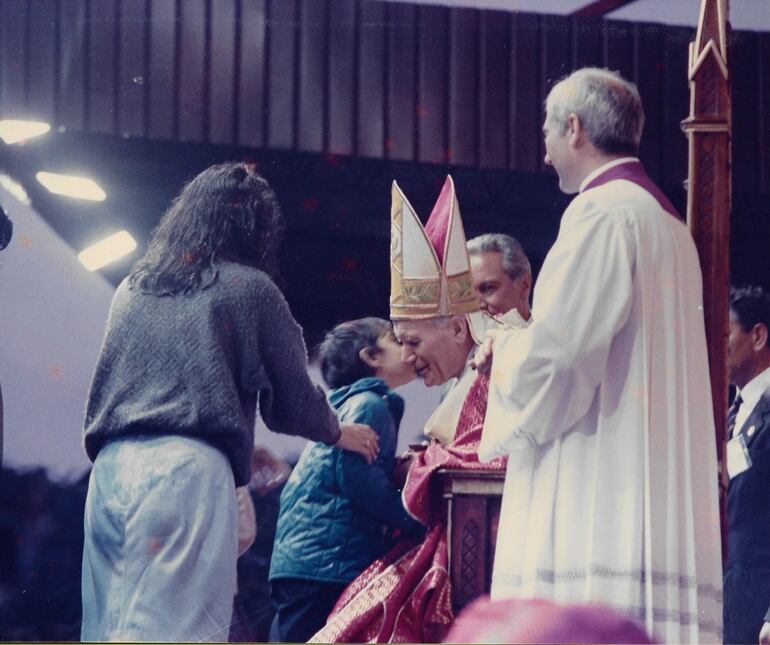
603, 403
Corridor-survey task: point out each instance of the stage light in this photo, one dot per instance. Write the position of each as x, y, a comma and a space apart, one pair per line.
72, 186
14, 131
107, 251
15, 188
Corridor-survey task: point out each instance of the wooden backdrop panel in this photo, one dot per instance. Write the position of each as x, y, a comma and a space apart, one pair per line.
43, 59
464, 82
342, 76
162, 70
14, 64
673, 145
401, 119
193, 77
312, 75
73, 49
494, 89
763, 82
588, 42
650, 71
133, 57
384, 80
282, 31
620, 48
223, 69
525, 115
252, 115
370, 111
102, 65
745, 78
433, 76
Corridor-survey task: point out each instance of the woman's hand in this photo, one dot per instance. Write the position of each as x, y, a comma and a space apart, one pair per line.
359, 438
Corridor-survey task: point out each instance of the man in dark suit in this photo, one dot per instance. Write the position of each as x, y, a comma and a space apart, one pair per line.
747, 571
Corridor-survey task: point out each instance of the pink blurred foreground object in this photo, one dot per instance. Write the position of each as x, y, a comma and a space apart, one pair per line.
542, 621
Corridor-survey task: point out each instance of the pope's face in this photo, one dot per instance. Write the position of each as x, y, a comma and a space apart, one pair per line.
436, 350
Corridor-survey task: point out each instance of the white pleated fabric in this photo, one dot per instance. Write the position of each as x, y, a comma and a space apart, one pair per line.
161, 539
604, 405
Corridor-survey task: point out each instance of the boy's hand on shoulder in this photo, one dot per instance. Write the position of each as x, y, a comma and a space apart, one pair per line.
359, 438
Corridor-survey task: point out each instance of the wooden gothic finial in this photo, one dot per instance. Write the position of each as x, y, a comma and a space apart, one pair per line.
709, 130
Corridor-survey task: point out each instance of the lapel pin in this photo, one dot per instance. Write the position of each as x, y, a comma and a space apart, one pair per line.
751, 430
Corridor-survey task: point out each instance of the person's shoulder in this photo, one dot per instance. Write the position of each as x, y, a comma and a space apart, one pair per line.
240, 280
124, 293
619, 196
235, 273
370, 389
615, 204
367, 397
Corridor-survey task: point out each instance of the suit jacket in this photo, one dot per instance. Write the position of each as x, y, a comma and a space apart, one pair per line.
747, 572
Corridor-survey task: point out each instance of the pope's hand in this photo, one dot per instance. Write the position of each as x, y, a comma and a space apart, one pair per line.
359, 438
482, 359
764, 634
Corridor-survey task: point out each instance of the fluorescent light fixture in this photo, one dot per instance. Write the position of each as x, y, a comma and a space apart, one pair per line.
71, 186
15, 188
107, 251
13, 131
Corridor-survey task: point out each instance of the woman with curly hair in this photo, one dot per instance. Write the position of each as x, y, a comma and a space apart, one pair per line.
198, 339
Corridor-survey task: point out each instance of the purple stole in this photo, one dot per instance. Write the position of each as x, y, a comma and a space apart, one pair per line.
634, 172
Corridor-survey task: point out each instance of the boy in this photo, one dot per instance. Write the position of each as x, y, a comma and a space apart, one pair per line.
336, 509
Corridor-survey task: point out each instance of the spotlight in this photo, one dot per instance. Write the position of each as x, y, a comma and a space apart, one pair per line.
71, 186
107, 251
15, 188
14, 131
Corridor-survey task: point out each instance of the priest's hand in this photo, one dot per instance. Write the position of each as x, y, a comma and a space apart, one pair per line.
359, 438
482, 359
764, 634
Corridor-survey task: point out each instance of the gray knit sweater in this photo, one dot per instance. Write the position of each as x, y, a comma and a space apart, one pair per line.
198, 364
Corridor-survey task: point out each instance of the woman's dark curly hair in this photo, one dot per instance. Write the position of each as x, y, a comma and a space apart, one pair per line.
227, 212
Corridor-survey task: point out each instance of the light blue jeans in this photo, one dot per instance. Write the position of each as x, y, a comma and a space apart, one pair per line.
161, 539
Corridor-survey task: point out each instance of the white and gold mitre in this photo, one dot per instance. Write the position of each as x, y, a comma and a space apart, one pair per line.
429, 268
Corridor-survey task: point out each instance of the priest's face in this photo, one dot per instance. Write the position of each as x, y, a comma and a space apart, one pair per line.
437, 348
561, 155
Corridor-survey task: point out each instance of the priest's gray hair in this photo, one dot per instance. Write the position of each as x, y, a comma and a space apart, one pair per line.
515, 261
608, 106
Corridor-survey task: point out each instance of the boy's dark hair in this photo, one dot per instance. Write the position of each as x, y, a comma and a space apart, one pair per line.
751, 306
339, 352
6, 229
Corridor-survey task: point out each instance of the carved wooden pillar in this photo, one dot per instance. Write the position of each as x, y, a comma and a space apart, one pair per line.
708, 129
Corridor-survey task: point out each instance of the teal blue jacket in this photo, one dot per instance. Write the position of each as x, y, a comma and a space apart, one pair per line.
336, 510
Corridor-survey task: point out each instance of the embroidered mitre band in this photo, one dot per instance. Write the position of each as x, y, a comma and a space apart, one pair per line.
429, 268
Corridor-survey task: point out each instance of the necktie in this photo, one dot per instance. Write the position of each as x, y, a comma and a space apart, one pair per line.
732, 415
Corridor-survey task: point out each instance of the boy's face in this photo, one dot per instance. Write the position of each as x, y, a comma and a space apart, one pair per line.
390, 368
